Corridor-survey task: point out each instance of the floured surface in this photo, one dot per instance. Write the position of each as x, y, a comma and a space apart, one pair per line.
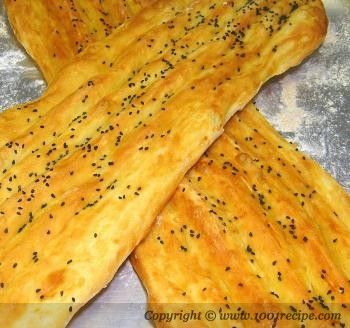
20, 80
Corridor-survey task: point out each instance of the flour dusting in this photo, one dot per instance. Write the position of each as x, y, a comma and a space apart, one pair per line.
290, 117
310, 104
3, 28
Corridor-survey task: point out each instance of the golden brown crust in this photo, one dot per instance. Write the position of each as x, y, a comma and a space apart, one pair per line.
252, 222
95, 60
53, 32
87, 65
325, 186
80, 189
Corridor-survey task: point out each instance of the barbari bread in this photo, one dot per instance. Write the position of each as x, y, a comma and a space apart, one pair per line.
186, 208
255, 226
83, 180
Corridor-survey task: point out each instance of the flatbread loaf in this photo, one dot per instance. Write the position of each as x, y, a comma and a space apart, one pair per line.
84, 180
255, 226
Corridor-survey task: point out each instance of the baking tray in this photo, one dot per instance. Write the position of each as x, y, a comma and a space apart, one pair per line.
308, 105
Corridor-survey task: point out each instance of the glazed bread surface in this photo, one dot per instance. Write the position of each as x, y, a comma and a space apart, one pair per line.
83, 181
